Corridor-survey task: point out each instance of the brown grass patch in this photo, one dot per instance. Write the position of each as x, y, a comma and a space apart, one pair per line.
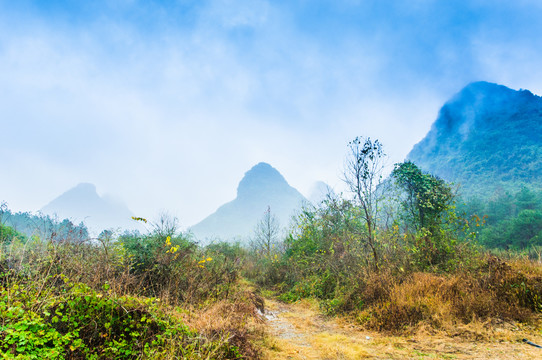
237, 321
496, 292
320, 337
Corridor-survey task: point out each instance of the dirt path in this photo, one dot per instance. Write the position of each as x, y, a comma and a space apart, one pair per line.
298, 331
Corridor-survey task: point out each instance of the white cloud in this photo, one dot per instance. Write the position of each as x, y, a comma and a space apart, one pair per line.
169, 112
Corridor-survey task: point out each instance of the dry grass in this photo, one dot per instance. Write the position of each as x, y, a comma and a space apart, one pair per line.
236, 321
483, 313
496, 292
300, 332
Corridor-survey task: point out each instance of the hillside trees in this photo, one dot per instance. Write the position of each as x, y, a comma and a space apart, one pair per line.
3, 211
8, 234
513, 219
527, 229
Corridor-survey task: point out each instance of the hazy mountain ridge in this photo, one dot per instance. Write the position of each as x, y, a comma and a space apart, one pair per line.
83, 204
261, 186
319, 192
487, 137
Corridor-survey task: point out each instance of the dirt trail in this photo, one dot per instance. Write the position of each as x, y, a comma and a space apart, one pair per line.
298, 331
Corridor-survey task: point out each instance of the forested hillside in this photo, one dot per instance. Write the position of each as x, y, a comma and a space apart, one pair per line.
487, 138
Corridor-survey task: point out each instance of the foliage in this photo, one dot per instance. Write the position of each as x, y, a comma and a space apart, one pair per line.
8, 234
392, 262
64, 299
427, 198
328, 257
491, 289
70, 320
427, 210
512, 220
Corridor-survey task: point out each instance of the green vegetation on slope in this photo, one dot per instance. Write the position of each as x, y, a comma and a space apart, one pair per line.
487, 138
512, 220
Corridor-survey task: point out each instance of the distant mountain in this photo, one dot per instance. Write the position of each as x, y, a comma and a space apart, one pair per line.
262, 186
486, 138
82, 203
319, 192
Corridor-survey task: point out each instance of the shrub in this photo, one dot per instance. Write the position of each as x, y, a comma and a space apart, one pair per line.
73, 321
63, 299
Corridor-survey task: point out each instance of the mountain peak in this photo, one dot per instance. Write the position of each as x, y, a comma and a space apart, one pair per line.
489, 88
262, 187
479, 105
262, 177
483, 86
484, 129
483, 96
82, 203
81, 192
85, 187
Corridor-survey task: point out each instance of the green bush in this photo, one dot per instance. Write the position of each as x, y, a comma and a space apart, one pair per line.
8, 234
70, 320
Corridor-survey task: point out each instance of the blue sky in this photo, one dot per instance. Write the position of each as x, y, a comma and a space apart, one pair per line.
165, 104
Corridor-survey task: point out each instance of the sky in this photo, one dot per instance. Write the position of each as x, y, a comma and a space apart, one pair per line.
165, 105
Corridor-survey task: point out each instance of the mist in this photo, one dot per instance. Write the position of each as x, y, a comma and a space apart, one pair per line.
166, 105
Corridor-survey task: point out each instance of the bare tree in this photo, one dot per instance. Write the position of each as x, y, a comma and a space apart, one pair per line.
266, 233
363, 175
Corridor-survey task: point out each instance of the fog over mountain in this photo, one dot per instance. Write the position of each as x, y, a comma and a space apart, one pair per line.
486, 138
319, 192
162, 95
261, 186
83, 204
